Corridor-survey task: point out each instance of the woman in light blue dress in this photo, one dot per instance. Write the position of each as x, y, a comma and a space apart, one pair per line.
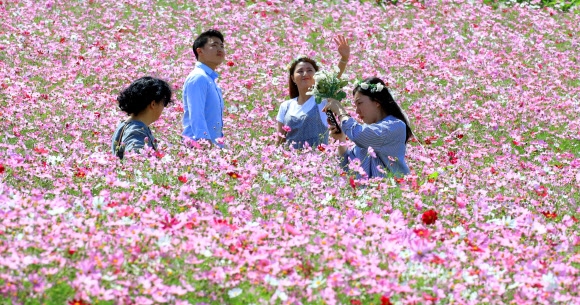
300, 120
144, 101
381, 140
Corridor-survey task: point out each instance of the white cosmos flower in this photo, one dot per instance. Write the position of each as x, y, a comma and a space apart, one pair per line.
271, 280
98, 202
53, 160
166, 159
56, 211
233, 109
164, 241
469, 279
364, 86
460, 231
359, 204
207, 253
318, 76
127, 221
282, 295
508, 222
317, 282
327, 199
234, 292
550, 282
379, 87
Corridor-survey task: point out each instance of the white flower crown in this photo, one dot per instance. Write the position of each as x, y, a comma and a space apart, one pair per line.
378, 87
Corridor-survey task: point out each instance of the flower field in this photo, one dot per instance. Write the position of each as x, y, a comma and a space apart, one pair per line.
489, 214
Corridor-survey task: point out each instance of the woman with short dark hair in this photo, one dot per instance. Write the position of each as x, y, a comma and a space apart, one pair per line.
144, 101
382, 138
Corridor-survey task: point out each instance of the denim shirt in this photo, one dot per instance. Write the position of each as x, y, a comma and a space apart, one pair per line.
135, 134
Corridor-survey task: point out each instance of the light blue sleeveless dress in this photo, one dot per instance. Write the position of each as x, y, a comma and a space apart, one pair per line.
306, 128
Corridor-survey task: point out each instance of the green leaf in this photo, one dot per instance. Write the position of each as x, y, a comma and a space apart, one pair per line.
433, 175
340, 95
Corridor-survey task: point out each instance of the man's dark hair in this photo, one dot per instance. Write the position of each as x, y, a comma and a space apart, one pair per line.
202, 39
142, 92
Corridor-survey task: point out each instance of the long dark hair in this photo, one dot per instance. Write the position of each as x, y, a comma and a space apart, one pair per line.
292, 88
385, 99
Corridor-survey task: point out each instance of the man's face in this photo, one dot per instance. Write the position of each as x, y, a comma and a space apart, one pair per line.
213, 52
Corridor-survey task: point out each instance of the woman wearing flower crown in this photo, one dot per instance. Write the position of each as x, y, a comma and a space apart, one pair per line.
300, 119
382, 138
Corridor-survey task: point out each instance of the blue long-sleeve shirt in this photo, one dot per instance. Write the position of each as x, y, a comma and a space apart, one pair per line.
203, 104
387, 138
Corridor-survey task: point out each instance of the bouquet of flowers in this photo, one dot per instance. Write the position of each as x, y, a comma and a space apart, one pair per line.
327, 85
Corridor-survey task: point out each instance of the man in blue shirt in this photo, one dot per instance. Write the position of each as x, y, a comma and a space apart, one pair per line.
203, 103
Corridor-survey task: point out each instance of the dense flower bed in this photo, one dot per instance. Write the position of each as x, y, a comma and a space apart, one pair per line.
489, 214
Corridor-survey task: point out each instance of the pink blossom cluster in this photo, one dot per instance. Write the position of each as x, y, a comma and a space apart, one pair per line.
489, 213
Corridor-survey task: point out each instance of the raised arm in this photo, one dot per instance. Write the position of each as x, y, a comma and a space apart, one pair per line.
344, 50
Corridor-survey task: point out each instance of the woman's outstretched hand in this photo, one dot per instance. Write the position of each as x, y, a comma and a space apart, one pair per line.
342, 46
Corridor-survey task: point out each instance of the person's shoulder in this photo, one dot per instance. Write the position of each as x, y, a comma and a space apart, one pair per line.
391, 119
136, 126
129, 125
287, 103
393, 123
197, 75
120, 125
